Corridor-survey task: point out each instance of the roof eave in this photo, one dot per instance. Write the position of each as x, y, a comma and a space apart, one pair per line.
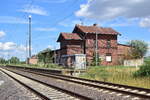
103, 33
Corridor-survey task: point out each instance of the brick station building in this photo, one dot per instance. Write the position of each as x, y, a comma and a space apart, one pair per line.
82, 40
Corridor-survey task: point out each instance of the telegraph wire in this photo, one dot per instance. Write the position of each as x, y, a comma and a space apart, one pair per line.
65, 17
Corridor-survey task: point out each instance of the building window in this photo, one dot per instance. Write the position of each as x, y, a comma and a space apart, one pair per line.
108, 57
108, 44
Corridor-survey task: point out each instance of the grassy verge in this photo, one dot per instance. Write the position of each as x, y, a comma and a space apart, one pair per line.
49, 66
117, 74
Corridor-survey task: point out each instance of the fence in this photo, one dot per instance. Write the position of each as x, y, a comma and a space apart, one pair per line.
134, 62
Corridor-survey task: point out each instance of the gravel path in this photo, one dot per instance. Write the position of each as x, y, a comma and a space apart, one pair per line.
11, 90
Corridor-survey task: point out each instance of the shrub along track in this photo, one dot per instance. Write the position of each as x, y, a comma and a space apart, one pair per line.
122, 91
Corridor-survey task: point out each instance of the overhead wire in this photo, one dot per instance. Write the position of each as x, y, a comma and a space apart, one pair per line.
65, 17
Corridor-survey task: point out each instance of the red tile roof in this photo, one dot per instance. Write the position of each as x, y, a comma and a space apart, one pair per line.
69, 36
94, 29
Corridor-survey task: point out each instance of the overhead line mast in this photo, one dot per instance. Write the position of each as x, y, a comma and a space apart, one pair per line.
30, 36
96, 48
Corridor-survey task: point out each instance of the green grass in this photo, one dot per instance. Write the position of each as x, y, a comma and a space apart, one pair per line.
117, 74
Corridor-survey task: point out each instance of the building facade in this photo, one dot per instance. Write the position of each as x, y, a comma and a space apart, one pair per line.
82, 40
33, 60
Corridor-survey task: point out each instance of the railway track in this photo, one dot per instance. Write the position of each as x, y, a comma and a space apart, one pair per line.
43, 90
126, 91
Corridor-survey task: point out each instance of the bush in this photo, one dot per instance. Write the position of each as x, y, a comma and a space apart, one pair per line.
98, 73
147, 60
94, 60
143, 71
103, 74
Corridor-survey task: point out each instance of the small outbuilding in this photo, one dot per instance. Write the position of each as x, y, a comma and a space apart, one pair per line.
75, 61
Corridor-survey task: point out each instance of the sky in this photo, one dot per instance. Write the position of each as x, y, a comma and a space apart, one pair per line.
50, 17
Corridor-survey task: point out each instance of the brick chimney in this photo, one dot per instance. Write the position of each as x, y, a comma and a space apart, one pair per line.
94, 24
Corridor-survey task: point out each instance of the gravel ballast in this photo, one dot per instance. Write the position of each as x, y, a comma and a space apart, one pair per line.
93, 93
12, 90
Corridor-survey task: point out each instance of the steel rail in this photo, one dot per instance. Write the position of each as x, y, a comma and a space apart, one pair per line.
97, 86
26, 86
60, 89
88, 80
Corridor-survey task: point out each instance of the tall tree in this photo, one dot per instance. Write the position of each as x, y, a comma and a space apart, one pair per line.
139, 48
14, 60
45, 56
2, 61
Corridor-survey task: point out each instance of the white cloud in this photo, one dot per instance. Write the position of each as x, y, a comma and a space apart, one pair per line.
12, 20
34, 9
109, 9
2, 33
46, 29
8, 46
53, 47
145, 22
8, 49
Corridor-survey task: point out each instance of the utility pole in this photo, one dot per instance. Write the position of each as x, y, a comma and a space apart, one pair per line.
54, 54
30, 36
96, 48
96, 40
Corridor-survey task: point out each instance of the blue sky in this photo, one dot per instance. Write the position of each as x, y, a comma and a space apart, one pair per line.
50, 17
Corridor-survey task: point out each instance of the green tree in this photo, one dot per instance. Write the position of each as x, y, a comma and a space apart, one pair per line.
14, 60
2, 61
41, 57
139, 48
45, 56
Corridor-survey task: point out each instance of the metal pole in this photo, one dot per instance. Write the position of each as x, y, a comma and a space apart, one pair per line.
26, 48
55, 55
96, 49
29, 36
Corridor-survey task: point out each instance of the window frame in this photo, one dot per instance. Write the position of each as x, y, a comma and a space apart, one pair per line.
108, 44
108, 55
